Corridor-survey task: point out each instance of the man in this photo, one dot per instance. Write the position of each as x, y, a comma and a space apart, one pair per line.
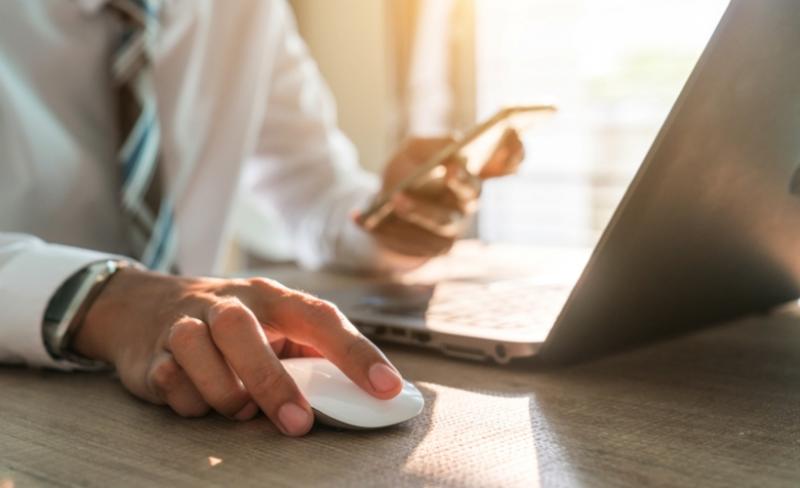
126, 127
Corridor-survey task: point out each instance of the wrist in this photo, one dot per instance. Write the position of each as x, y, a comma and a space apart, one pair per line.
95, 338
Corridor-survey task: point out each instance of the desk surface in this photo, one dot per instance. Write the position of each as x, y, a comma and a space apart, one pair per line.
717, 408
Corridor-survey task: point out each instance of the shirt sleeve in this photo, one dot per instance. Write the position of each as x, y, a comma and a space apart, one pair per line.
30, 273
307, 169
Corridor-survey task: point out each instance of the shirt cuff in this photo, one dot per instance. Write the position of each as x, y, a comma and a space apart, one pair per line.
354, 247
28, 282
375, 257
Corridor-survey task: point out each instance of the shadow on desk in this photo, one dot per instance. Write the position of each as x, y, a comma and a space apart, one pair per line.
80, 428
717, 408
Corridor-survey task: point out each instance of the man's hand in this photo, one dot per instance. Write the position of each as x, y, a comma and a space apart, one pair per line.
428, 219
204, 343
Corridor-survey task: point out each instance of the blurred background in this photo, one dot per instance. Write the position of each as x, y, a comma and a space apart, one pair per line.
427, 67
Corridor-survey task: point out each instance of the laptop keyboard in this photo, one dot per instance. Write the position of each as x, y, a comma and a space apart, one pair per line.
508, 306
511, 304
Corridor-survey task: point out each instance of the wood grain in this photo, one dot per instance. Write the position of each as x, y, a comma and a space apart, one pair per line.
717, 408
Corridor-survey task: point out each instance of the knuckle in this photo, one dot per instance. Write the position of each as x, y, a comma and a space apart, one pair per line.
325, 308
228, 315
266, 285
360, 347
166, 375
184, 333
307, 304
273, 296
325, 314
268, 382
231, 401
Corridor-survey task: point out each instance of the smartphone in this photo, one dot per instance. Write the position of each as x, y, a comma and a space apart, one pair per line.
473, 149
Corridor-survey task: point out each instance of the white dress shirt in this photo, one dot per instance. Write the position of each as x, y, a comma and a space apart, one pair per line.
241, 106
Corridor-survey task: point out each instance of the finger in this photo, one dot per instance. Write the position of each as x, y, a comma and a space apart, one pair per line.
171, 384
194, 350
415, 152
338, 340
506, 158
285, 348
308, 320
441, 220
239, 336
454, 185
421, 149
464, 187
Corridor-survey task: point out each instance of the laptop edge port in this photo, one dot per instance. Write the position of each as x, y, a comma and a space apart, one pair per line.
464, 352
421, 337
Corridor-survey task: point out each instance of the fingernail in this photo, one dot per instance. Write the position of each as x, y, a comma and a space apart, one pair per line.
247, 412
383, 378
294, 419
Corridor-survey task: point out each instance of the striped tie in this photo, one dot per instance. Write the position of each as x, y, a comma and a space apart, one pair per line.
148, 209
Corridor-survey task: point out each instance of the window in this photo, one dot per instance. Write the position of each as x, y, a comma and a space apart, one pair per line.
614, 68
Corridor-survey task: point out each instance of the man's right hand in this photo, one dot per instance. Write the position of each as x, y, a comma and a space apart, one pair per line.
204, 343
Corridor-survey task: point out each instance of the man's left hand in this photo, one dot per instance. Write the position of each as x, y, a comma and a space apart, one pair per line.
427, 219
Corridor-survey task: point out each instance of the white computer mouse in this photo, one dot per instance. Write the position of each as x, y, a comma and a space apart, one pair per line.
339, 402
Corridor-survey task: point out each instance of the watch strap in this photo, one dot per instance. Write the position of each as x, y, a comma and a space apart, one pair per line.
68, 307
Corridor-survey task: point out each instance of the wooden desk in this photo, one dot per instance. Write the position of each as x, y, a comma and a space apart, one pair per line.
717, 408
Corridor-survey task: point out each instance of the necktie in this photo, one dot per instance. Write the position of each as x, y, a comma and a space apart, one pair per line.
147, 207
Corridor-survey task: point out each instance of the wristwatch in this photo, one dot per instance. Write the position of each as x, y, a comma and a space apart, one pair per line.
68, 307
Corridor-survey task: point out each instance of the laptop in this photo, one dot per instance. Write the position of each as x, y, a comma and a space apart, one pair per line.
708, 230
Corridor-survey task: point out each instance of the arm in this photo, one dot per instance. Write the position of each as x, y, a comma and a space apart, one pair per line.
305, 167
191, 343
